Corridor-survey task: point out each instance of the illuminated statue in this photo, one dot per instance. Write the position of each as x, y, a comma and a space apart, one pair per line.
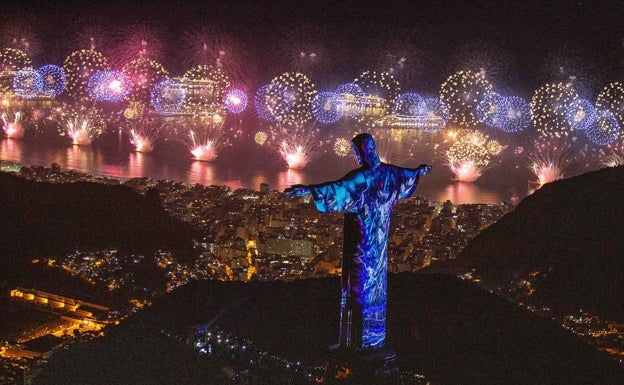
366, 196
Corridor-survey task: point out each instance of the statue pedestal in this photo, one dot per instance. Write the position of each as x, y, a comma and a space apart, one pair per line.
348, 363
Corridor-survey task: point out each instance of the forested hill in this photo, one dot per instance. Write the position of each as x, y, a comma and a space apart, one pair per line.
446, 329
567, 238
39, 218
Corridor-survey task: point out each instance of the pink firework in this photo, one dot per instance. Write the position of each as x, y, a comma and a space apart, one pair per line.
144, 131
467, 157
140, 41
12, 125
549, 161
297, 145
82, 124
466, 171
206, 138
210, 45
19, 34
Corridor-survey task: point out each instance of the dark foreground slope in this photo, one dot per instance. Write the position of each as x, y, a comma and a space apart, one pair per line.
571, 232
447, 329
40, 219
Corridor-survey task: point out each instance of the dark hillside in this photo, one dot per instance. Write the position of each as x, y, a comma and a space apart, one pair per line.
571, 232
40, 218
447, 329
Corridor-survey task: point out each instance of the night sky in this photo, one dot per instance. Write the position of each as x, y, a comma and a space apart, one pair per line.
523, 43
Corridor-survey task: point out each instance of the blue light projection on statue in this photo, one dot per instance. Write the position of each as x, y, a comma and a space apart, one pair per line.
366, 196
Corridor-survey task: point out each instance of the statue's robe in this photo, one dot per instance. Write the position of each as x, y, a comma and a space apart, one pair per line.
366, 196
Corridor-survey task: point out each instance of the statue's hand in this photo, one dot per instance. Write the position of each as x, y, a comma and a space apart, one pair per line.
297, 190
424, 169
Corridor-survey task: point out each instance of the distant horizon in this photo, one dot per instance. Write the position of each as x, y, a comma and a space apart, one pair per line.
494, 187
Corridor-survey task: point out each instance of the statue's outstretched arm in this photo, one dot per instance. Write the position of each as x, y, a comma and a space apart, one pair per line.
424, 169
297, 190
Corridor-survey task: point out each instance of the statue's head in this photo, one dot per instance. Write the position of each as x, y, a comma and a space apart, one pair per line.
365, 150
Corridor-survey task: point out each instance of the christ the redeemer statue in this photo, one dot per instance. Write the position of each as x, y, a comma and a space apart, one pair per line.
366, 196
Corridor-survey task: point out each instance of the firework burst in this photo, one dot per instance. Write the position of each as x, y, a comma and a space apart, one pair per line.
53, 80
211, 46
13, 124
462, 92
261, 137
380, 89
395, 53
548, 160
288, 99
549, 107
139, 41
469, 154
168, 96
109, 86
614, 155
515, 114
565, 64
325, 107
206, 89
143, 74
82, 124
204, 136
496, 65
27, 83
144, 131
78, 68
297, 146
92, 36
236, 100
342, 147
611, 98
18, 34
606, 129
